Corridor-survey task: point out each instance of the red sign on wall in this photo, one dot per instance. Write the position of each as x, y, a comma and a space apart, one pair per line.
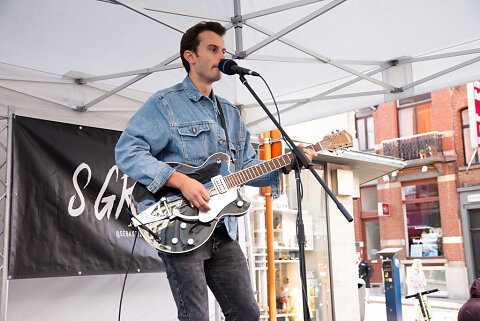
386, 209
473, 90
383, 209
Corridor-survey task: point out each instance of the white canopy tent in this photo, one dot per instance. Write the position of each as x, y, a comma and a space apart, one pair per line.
319, 57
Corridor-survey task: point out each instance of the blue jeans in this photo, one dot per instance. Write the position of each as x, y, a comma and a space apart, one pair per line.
221, 265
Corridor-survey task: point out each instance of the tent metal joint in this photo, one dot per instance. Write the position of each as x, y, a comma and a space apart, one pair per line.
80, 81
81, 108
396, 90
237, 21
240, 55
394, 62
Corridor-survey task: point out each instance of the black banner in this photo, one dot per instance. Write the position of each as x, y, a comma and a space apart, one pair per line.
69, 204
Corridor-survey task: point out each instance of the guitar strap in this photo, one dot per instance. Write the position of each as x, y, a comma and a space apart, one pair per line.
224, 125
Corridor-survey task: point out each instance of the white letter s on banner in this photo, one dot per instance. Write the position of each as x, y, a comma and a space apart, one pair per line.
81, 208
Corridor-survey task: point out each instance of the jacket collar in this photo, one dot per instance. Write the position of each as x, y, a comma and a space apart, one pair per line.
192, 92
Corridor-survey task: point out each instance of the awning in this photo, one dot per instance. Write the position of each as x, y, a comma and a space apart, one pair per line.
368, 166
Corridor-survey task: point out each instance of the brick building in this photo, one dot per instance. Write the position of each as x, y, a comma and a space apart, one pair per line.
432, 206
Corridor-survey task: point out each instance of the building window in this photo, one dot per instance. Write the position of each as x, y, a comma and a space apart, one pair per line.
369, 199
372, 239
420, 200
365, 134
369, 215
415, 115
467, 145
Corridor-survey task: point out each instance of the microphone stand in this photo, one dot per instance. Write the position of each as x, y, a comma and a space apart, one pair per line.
300, 160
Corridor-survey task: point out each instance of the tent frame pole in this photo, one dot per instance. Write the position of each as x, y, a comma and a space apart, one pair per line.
184, 13
441, 73
237, 22
282, 111
313, 60
131, 73
294, 26
6, 224
319, 57
124, 85
323, 94
439, 56
279, 8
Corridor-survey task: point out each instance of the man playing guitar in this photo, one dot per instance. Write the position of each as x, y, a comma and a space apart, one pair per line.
183, 124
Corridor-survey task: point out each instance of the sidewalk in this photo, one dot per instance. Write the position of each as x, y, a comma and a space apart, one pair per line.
437, 303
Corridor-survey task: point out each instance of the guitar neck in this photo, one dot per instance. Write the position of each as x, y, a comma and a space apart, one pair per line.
248, 174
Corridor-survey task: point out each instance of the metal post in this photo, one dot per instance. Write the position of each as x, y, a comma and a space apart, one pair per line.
272, 303
238, 25
329, 244
6, 228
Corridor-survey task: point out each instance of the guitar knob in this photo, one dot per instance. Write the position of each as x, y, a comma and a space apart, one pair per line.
183, 225
174, 240
239, 204
190, 241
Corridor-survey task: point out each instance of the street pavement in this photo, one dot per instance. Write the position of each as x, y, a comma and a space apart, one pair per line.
442, 309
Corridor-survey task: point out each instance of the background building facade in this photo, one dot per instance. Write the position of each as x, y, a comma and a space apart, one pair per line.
431, 208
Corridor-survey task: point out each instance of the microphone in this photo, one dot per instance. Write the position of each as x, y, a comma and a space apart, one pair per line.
230, 67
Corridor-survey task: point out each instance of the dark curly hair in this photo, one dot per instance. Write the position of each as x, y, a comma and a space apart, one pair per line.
190, 39
475, 289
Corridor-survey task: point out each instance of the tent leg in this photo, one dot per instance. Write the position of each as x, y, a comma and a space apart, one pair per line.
6, 216
238, 26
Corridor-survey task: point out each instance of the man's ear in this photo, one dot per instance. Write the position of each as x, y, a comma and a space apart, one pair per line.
189, 56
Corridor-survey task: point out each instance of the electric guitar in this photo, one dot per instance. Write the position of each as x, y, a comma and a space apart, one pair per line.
171, 224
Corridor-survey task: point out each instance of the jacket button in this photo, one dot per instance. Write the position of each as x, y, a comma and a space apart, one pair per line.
220, 142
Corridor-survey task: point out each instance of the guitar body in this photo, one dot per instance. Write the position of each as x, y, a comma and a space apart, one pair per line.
176, 230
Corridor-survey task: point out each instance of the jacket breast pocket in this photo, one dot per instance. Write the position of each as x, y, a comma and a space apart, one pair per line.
195, 140
236, 151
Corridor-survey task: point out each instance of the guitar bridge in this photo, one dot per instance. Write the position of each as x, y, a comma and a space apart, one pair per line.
220, 184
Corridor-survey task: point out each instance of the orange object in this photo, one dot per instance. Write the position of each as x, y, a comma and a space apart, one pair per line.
275, 150
267, 192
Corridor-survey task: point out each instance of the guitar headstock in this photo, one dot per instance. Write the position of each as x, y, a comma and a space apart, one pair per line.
337, 140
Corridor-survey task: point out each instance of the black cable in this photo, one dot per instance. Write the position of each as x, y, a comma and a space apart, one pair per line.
271, 94
126, 274
276, 107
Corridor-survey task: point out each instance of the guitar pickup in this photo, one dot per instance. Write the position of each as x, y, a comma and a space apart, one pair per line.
220, 184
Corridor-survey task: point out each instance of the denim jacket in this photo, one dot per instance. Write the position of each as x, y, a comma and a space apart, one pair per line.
180, 124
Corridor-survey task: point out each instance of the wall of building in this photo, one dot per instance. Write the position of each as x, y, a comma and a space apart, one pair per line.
448, 171
342, 256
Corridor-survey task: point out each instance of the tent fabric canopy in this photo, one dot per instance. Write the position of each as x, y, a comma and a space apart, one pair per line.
319, 57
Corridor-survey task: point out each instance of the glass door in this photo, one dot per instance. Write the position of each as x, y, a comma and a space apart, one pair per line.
372, 246
288, 289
